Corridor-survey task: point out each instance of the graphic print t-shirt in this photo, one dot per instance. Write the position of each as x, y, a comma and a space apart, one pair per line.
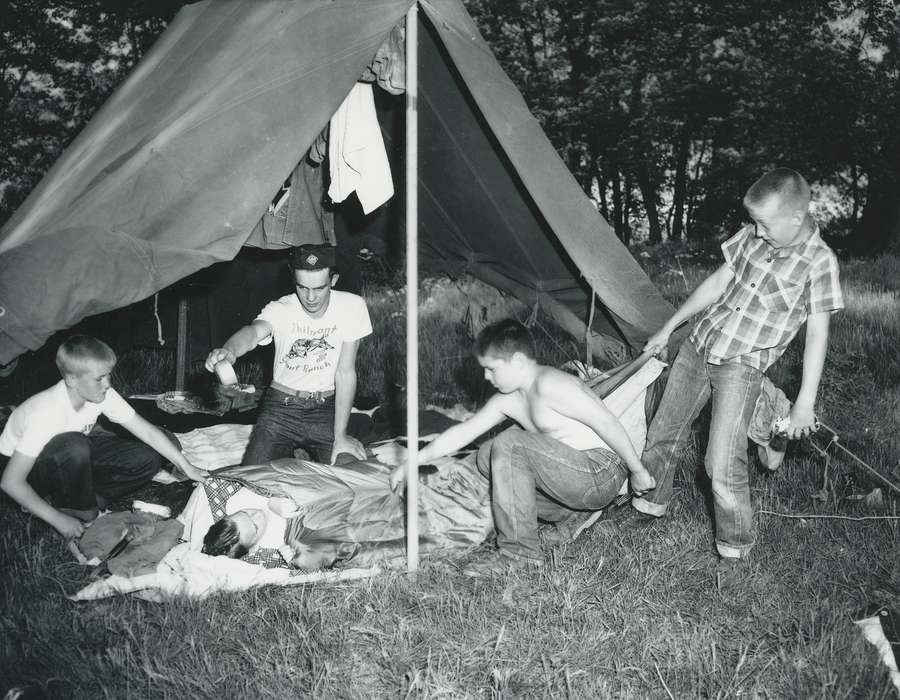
307, 349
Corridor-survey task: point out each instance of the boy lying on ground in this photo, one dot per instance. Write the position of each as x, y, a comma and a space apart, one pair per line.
266, 534
569, 453
254, 524
47, 449
308, 515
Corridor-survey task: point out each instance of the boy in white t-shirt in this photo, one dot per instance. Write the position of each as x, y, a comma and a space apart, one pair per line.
47, 449
316, 332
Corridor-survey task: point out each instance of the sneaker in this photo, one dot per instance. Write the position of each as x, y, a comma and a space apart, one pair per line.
498, 565
569, 528
730, 571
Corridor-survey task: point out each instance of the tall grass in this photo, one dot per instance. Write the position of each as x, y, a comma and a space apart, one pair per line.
618, 614
452, 312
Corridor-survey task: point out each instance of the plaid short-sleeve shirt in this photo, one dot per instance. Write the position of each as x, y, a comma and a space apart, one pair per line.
772, 293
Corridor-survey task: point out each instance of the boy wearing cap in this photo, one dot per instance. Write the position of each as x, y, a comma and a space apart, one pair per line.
48, 450
778, 274
316, 331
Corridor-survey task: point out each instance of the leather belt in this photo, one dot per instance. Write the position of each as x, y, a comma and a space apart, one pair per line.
314, 395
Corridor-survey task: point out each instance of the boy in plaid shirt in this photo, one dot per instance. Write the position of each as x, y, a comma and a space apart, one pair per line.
778, 274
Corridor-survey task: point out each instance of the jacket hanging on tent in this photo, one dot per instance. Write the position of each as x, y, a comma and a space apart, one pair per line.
303, 218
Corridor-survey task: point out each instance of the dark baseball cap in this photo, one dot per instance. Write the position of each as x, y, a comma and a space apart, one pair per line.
312, 257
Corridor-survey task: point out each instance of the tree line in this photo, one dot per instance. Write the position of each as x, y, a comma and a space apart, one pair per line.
59, 61
664, 111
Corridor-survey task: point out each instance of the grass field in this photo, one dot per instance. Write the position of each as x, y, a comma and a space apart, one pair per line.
616, 614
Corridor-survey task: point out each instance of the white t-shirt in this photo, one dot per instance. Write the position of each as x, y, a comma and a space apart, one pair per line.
273, 535
307, 349
45, 415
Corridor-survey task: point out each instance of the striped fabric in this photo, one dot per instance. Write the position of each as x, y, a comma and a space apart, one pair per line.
772, 293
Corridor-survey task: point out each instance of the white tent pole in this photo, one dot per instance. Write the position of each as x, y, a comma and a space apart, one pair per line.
181, 359
412, 292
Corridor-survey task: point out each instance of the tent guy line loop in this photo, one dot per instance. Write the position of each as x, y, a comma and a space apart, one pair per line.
835, 441
823, 451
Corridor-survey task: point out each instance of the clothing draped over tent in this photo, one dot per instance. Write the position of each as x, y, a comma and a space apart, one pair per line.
303, 218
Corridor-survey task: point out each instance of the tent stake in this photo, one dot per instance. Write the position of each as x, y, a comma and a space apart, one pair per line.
412, 293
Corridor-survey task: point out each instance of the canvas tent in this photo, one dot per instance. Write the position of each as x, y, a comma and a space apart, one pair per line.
177, 168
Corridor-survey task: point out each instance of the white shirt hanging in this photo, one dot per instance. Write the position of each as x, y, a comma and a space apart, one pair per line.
356, 152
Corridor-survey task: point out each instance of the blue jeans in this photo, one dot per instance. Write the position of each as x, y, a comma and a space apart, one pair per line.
288, 422
734, 389
535, 476
83, 471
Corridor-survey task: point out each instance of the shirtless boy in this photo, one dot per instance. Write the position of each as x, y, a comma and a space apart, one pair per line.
568, 453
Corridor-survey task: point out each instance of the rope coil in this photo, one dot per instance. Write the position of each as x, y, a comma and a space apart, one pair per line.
159, 335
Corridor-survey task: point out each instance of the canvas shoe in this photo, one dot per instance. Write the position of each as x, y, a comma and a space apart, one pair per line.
729, 572
633, 519
496, 565
569, 528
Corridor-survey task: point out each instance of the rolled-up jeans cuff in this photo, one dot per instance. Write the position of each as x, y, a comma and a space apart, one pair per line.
642, 505
728, 551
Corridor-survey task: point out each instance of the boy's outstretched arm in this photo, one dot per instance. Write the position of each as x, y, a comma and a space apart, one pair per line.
15, 484
803, 417
240, 343
705, 294
344, 393
456, 437
148, 433
570, 397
